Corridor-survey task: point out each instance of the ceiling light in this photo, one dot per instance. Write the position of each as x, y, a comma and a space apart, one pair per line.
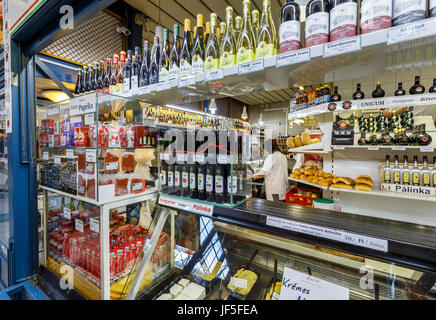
261, 120
301, 88
244, 115
213, 108
55, 95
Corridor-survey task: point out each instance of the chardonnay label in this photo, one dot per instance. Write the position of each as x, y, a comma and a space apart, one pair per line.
343, 21
174, 71
227, 60
164, 74
245, 55
185, 68
376, 15
211, 64
264, 50
197, 65
317, 29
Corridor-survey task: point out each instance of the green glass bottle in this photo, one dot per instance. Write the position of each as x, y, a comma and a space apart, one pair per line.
164, 65
228, 45
212, 49
175, 55
185, 53
255, 17
238, 28
246, 45
267, 40
198, 48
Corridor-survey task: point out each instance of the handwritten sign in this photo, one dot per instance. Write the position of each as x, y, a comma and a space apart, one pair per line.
300, 286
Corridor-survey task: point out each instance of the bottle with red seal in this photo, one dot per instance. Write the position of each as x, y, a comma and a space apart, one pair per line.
343, 19
317, 25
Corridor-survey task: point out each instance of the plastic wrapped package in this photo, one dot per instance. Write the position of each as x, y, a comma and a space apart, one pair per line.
81, 185
111, 163
103, 136
130, 137
128, 162
81, 161
137, 184
114, 135
122, 185
93, 134
81, 137
90, 187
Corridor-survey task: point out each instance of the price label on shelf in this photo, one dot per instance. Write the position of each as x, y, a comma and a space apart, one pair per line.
426, 149
374, 148
43, 115
339, 147
53, 111
186, 81
67, 213
57, 160
45, 156
412, 31
294, 57
238, 283
69, 154
144, 90
213, 75
89, 119
79, 225
94, 225
342, 46
74, 120
252, 66
91, 156
162, 86
399, 148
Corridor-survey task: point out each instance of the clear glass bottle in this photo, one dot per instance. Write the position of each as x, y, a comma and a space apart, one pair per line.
415, 172
175, 55
425, 173
185, 52
387, 171
245, 44
228, 45
155, 60
396, 171
405, 172
144, 73
267, 41
238, 28
255, 17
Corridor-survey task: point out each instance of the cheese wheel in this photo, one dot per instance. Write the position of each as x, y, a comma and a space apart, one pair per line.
305, 138
297, 141
290, 143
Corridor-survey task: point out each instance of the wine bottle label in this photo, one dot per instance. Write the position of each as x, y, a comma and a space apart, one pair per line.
387, 176
432, 8
200, 182
119, 87
232, 187
317, 29
192, 181
219, 184
177, 178
164, 74
376, 15
126, 84
397, 176
406, 11
163, 178
415, 178
185, 68
264, 50
434, 180
209, 183
197, 65
343, 21
185, 180
406, 178
426, 179
211, 64
227, 60
174, 71
290, 36
134, 82
170, 179
244, 55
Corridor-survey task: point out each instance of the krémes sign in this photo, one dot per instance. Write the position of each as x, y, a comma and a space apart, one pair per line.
300, 286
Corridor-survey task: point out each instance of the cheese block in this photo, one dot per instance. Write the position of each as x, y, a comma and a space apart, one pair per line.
165, 296
194, 291
175, 290
183, 283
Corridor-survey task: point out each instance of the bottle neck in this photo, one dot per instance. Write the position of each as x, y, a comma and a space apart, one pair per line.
229, 25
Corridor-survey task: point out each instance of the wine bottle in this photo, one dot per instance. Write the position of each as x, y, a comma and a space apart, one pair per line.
400, 91
238, 28
358, 95
433, 88
317, 22
207, 32
144, 73
185, 53
136, 67
100, 77
164, 64
267, 42
417, 88
155, 59
343, 19
90, 74
228, 45
198, 48
246, 49
83, 80
127, 71
378, 92
290, 37
77, 89
404, 11
175, 55
113, 79
255, 17
223, 28
212, 49
120, 75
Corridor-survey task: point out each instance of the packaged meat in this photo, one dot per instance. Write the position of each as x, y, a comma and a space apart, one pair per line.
121, 185
114, 136
103, 136
123, 136
81, 185
128, 162
81, 137
137, 185
375, 15
111, 163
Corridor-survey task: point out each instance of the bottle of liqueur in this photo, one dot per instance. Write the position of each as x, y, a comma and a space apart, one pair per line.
164, 64
127, 72
193, 181
423, 139
336, 96
100, 77
228, 45
136, 67
433, 174
220, 183
255, 17
177, 179
201, 180
185, 52
417, 87
107, 75
317, 23
78, 88
210, 182
245, 44
238, 27
396, 172
400, 91
363, 141
415, 171
113, 82
433, 88
387, 171
155, 59
375, 15
212, 49
405, 172
83, 80
163, 177
170, 179
373, 138
175, 55
343, 19
120, 75
358, 95
267, 41
405, 11
144, 74
90, 75
290, 28
198, 48
425, 173
378, 92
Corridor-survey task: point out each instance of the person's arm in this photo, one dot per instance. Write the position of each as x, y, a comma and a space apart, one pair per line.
267, 166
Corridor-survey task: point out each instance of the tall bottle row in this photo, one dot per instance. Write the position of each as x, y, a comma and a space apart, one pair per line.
243, 39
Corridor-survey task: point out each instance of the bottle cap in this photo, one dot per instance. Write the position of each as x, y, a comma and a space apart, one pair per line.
187, 24
199, 20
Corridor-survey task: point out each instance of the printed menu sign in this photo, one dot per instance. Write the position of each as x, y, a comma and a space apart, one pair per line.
300, 286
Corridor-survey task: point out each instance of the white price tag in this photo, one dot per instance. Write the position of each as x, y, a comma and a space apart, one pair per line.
57, 160
91, 156
252, 66
412, 31
399, 148
94, 225
186, 81
339, 147
45, 156
74, 120
342, 46
162, 86
128, 93
213, 75
53, 111
293, 57
70, 154
89, 119
427, 149
144, 90
238, 283
79, 225
373, 148
43, 115
67, 213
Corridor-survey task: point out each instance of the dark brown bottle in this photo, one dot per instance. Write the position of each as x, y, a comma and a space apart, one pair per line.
433, 88
336, 96
363, 141
417, 87
378, 92
400, 91
358, 95
423, 139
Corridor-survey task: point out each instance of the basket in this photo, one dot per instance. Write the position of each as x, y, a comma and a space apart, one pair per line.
292, 196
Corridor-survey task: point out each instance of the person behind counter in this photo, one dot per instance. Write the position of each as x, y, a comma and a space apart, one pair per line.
275, 172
